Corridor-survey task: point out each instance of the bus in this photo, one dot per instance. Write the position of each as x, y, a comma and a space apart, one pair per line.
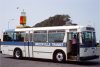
54, 43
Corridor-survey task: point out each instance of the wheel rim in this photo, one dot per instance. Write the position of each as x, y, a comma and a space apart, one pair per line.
17, 54
59, 57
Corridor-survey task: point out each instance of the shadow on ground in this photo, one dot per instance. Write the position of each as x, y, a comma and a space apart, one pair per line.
83, 63
86, 63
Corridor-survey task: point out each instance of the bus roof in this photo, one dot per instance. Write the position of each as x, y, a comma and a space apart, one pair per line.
46, 28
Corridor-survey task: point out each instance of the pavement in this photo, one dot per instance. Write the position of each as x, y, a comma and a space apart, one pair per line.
9, 61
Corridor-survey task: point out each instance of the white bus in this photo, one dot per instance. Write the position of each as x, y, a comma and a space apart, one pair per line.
51, 43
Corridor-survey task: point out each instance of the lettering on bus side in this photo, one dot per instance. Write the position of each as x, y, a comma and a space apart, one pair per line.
42, 44
50, 44
57, 44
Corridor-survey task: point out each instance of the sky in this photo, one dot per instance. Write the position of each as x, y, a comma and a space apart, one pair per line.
82, 12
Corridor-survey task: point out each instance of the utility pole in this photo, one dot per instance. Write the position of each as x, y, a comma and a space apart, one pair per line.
9, 22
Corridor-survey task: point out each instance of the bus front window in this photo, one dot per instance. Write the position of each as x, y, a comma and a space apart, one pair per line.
88, 38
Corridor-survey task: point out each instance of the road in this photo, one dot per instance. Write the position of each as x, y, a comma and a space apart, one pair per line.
8, 61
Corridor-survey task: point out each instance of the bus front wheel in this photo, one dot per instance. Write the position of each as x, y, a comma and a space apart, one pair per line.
59, 56
17, 54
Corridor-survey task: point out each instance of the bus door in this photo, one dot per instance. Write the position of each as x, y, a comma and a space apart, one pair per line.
28, 45
72, 46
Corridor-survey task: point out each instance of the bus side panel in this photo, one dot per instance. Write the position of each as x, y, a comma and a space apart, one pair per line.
9, 47
4, 49
45, 52
12, 48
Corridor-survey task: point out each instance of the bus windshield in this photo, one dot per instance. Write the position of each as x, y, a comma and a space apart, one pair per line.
88, 38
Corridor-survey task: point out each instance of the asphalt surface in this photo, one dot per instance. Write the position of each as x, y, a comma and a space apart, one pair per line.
9, 61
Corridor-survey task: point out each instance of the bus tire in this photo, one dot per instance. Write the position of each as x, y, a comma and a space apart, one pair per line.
59, 56
17, 53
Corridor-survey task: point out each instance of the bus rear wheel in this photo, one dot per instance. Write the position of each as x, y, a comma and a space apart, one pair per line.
17, 54
59, 57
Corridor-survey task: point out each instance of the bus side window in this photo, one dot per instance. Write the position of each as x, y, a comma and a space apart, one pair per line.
26, 37
8, 36
18, 36
56, 36
40, 36
5, 37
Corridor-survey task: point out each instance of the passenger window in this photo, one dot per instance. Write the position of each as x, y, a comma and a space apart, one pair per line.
56, 36
19, 36
40, 36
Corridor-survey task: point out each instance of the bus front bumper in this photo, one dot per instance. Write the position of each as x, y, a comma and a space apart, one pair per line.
89, 57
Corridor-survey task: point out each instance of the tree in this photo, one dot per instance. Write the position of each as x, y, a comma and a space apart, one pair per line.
57, 20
